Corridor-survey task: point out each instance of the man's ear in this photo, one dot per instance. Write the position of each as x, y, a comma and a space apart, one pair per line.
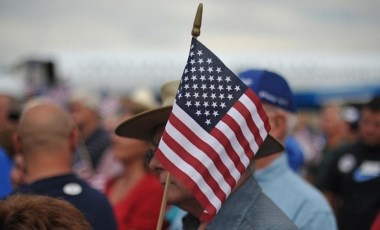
74, 135
279, 126
17, 143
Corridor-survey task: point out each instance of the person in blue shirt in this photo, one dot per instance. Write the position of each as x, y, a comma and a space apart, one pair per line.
5, 173
295, 154
6, 164
46, 137
301, 202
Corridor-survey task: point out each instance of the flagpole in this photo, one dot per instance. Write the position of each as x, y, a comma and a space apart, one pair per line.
164, 202
195, 32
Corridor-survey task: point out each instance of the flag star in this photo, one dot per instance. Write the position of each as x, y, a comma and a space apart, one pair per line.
212, 87
197, 104
202, 78
199, 52
195, 86
210, 69
218, 69
205, 104
186, 71
191, 53
222, 104
213, 96
179, 95
204, 86
211, 78
188, 103
208, 122
207, 113
200, 60
196, 95
228, 79
198, 113
230, 96
214, 104
209, 61
187, 95
215, 113
186, 78
219, 79
192, 61
194, 77
186, 86
192, 46
221, 96
204, 95
229, 88
237, 88
201, 69
192, 69
220, 87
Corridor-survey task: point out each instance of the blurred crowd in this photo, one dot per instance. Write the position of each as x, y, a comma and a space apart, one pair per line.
61, 142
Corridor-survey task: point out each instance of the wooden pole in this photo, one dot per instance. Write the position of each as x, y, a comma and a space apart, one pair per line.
196, 31
163, 203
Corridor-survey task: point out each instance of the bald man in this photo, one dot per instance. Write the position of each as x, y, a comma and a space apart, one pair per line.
46, 138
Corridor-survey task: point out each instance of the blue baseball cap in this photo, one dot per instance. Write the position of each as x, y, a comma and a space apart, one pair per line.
271, 88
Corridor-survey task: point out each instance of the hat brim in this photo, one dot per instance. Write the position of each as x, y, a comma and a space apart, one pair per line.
143, 125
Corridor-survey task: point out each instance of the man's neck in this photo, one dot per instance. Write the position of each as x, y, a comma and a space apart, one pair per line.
264, 162
89, 130
334, 141
40, 167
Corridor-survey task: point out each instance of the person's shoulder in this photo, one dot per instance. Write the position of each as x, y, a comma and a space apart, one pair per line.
257, 213
264, 214
353, 148
4, 157
88, 190
150, 185
311, 199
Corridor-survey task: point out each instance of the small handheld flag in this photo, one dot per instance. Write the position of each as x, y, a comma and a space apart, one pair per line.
216, 126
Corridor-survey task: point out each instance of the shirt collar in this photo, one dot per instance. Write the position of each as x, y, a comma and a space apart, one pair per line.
276, 167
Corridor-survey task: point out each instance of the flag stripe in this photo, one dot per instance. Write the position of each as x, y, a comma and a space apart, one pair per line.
229, 147
260, 133
253, 133
191, 176
246, 153
176, 141
248, 128
210, 145
261, 117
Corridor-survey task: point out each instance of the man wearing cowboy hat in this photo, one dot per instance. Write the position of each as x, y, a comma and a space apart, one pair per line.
246, 208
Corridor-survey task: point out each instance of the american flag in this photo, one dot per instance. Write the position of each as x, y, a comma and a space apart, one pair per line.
216, 126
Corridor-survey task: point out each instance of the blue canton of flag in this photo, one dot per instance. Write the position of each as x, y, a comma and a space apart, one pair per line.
208, 89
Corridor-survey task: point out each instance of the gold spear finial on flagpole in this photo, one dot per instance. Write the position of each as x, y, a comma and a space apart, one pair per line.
197, 21
196, 31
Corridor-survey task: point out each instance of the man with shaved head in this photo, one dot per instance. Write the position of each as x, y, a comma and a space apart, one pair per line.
46, 137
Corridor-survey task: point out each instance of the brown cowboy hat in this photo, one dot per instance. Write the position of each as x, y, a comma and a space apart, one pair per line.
143, 125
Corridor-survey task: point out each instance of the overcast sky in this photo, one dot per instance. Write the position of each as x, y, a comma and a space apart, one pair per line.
112, 43
337, 26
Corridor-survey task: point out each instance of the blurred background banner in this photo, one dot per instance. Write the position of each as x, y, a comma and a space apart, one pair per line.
327, 50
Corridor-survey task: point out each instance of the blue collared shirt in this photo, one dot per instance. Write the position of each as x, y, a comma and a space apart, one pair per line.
301, 202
